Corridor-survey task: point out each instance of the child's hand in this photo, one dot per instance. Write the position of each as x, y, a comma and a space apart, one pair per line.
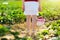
40, 8
23, 8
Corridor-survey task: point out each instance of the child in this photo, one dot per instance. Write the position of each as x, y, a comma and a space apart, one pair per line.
31, 10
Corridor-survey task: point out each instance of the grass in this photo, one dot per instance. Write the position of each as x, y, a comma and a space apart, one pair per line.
18, 3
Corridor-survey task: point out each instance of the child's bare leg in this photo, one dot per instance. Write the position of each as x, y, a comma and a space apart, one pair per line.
28, 23
34, 23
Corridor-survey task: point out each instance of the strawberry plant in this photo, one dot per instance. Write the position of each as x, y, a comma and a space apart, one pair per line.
3, 30
11, 13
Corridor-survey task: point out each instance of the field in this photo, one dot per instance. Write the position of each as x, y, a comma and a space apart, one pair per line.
13, 21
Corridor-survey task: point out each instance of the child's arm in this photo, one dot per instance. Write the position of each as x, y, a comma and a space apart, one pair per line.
40, 6
23, 4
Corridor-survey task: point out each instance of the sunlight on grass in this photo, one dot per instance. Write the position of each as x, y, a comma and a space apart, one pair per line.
18, 3
54, 0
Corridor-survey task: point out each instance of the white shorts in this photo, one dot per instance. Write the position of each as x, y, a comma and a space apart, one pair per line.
31, 8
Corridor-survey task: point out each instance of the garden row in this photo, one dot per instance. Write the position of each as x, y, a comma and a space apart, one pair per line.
52, 32
11, 13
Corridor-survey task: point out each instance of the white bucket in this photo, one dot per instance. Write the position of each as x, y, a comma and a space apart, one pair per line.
40, 21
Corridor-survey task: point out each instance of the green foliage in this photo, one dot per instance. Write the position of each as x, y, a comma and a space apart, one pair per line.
58, 38
49, 10
55, 25
39, 35
15, 34
4, 39
11, 13
47, 24
3, 30
57, 33
29, 38
45, 32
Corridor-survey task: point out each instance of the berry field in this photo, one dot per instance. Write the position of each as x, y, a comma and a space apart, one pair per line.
13, 21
